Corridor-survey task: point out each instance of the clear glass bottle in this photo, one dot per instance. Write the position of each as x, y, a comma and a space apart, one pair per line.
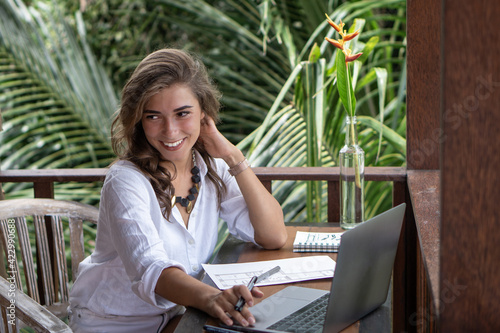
352, 171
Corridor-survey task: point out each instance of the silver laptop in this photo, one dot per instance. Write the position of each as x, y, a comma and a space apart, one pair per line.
360, 283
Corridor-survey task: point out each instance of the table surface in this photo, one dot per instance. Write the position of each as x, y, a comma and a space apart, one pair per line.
234, 250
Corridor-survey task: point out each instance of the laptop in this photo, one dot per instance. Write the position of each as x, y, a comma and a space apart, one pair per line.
360, 283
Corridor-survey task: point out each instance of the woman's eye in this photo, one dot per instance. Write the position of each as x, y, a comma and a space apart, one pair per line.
152, 117
183, 113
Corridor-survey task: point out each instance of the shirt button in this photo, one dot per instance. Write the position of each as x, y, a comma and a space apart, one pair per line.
194, 267
191, 242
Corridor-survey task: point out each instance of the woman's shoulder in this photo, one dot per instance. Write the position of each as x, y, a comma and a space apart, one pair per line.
125, 170
126, 183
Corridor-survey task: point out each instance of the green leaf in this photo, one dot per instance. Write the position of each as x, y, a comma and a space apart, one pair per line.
315, 54
344, 85
396, 140
382, 85
342, 81
369, 46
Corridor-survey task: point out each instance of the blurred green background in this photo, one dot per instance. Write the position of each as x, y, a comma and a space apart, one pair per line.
63, 63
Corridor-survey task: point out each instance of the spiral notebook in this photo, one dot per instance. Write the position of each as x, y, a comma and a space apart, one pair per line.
316, 241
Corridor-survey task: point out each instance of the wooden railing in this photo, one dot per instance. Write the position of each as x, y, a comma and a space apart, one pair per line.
44, 180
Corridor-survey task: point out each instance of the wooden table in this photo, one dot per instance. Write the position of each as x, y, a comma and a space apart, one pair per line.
234, 250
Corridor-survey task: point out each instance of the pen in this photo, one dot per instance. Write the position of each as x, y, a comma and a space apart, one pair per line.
248, 329
232, 329
210, 328
241, 301
253, 281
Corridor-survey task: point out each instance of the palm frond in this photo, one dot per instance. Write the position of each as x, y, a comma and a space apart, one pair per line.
291, 130
56, 101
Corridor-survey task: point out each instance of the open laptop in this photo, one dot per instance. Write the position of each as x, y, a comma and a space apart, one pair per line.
360, 283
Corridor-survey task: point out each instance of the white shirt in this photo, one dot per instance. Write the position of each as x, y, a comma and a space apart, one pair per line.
135, 243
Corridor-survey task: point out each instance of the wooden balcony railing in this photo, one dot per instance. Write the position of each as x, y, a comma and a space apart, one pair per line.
44, 180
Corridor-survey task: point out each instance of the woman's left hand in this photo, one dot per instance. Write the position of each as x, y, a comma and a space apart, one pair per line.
265, 212
214, 142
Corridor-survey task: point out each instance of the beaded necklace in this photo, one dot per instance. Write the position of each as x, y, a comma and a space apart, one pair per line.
188, 201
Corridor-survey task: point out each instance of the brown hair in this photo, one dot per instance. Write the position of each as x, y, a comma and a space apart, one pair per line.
161, 69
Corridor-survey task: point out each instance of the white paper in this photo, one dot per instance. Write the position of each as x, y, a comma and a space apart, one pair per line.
297, 269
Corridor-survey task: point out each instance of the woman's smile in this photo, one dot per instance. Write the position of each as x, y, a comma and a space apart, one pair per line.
173, 145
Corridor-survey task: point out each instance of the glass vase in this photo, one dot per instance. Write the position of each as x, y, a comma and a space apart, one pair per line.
352, 171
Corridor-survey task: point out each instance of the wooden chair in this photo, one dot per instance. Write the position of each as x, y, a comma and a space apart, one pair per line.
25, 309
38, 265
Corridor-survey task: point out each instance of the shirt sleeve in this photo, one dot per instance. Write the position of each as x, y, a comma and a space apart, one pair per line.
134, 218
234, 209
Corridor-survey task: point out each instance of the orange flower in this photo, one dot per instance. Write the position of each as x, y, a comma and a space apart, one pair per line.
334, 25
349, 57
337, 43
345, 37
350, 36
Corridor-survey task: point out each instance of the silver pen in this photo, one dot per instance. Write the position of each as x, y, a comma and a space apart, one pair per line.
241, 302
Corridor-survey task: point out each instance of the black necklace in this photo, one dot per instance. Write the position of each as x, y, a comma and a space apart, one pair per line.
188, 201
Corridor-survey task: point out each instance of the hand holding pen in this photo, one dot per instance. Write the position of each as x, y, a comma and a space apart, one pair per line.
235, 298
241, 302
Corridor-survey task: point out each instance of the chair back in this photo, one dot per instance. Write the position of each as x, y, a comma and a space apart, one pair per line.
26, 310
32, 237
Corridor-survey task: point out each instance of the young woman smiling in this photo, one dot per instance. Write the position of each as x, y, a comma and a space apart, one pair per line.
175, 177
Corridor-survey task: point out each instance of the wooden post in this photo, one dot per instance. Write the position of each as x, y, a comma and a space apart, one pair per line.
423, 84
422, 139
470, 167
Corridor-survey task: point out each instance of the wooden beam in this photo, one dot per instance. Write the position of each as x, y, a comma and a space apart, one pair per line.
264, 173
470, 169
423, 83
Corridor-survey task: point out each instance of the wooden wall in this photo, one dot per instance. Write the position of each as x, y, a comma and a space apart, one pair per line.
423, 83
453, 104
470, 167
423, 149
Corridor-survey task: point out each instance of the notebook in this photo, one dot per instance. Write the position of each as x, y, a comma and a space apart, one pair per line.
316, 241
360, 283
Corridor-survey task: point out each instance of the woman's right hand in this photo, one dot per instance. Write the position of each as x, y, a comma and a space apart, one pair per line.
222, 305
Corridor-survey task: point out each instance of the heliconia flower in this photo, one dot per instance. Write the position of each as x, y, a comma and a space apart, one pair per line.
337, 43
352, 57
348, 37
333, 24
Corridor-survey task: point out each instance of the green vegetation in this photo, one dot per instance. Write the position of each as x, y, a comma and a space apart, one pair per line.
61, 71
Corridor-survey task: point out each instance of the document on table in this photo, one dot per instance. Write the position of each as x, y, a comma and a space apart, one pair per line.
297, 269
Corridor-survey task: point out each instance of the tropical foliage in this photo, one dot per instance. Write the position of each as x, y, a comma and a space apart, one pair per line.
309, 131
55, 99
61, 70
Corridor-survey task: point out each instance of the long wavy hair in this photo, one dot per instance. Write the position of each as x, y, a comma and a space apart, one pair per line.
159, 70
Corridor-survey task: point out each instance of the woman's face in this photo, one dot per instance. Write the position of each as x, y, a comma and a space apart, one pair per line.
171, 121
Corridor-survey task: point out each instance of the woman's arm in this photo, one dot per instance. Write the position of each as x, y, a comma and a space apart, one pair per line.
265, 212
181, 288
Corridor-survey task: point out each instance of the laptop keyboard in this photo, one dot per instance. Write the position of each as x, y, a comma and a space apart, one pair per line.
309, 319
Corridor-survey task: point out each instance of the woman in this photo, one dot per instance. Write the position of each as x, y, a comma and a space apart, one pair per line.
160, 204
